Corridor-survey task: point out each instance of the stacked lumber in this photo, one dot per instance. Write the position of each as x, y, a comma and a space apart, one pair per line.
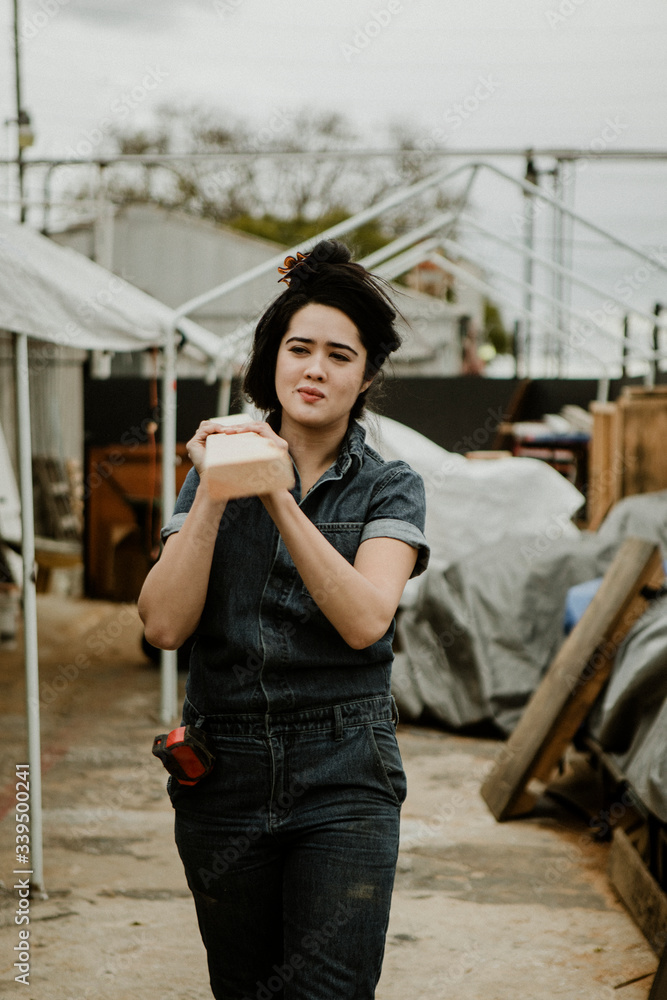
627, 453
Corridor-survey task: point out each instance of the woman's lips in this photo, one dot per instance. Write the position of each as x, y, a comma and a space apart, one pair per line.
310, 395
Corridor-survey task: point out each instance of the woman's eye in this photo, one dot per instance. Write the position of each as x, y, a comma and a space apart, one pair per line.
298, 350
340, 357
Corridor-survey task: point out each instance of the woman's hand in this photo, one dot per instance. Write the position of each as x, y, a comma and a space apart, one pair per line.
263, 429
196, 446
257, 427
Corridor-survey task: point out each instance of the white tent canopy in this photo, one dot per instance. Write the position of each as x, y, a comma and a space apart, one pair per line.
55, 294
52, 293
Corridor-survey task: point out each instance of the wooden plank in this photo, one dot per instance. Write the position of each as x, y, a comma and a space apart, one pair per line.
245, 464
638, 890
604, 466
643, 390
643, 444
573, 681
659, 988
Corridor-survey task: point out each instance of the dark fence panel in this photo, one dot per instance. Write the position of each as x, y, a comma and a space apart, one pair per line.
458, 413
462, 413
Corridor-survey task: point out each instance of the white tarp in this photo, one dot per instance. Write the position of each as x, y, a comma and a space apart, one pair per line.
474, 503
58, 295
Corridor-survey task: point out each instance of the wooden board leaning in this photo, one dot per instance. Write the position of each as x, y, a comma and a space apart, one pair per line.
573, 681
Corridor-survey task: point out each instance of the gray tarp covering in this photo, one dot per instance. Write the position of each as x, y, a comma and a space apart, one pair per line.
483, 630
630, 719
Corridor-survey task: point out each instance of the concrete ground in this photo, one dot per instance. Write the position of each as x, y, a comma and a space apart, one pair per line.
481, 910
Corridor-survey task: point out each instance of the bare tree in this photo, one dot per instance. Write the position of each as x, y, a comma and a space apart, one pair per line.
286, 197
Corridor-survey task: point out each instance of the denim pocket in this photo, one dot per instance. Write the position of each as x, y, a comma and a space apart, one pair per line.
382, 737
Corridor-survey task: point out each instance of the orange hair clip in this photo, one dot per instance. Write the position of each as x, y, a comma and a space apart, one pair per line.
290, 264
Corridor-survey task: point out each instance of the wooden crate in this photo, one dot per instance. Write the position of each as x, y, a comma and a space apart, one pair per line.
122, 495
628, 454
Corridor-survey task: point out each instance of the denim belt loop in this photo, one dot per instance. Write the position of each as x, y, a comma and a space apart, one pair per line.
338, 717
394, 711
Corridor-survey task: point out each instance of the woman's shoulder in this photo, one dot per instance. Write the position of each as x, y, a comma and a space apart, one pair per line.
390, 472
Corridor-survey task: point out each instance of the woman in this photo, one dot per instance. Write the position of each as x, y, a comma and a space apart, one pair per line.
290, 844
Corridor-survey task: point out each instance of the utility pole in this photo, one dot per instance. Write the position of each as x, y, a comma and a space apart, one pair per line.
528, 241
24, 131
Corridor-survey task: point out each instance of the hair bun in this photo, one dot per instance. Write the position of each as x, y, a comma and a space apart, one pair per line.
304, 265
330, 252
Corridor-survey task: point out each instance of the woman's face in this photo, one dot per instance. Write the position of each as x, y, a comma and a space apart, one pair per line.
320, 367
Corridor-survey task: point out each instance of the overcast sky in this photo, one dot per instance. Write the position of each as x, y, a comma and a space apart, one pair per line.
554, 70
466, 73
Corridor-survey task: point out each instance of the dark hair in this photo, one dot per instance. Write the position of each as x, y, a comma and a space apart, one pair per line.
326, 276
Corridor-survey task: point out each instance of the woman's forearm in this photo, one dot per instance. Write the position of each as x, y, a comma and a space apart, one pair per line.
174, 592
359, 608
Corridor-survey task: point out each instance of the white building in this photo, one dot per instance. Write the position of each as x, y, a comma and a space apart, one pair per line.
175, 257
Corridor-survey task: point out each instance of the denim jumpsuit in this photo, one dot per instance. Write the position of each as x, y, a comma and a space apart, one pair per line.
290, 844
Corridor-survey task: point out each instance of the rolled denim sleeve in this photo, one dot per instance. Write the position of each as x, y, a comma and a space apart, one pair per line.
183, 504
398, 510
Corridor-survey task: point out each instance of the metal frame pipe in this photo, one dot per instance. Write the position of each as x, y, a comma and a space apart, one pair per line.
558, 269
24, 442
168, 657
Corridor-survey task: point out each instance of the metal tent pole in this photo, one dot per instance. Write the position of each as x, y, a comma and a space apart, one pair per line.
168, 657
22, 375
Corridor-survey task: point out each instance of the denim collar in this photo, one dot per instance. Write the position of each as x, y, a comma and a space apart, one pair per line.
352, 448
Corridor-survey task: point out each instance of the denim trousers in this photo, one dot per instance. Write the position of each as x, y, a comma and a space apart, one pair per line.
289, 847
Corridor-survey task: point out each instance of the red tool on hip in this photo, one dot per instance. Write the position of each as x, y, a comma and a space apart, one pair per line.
186, 754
